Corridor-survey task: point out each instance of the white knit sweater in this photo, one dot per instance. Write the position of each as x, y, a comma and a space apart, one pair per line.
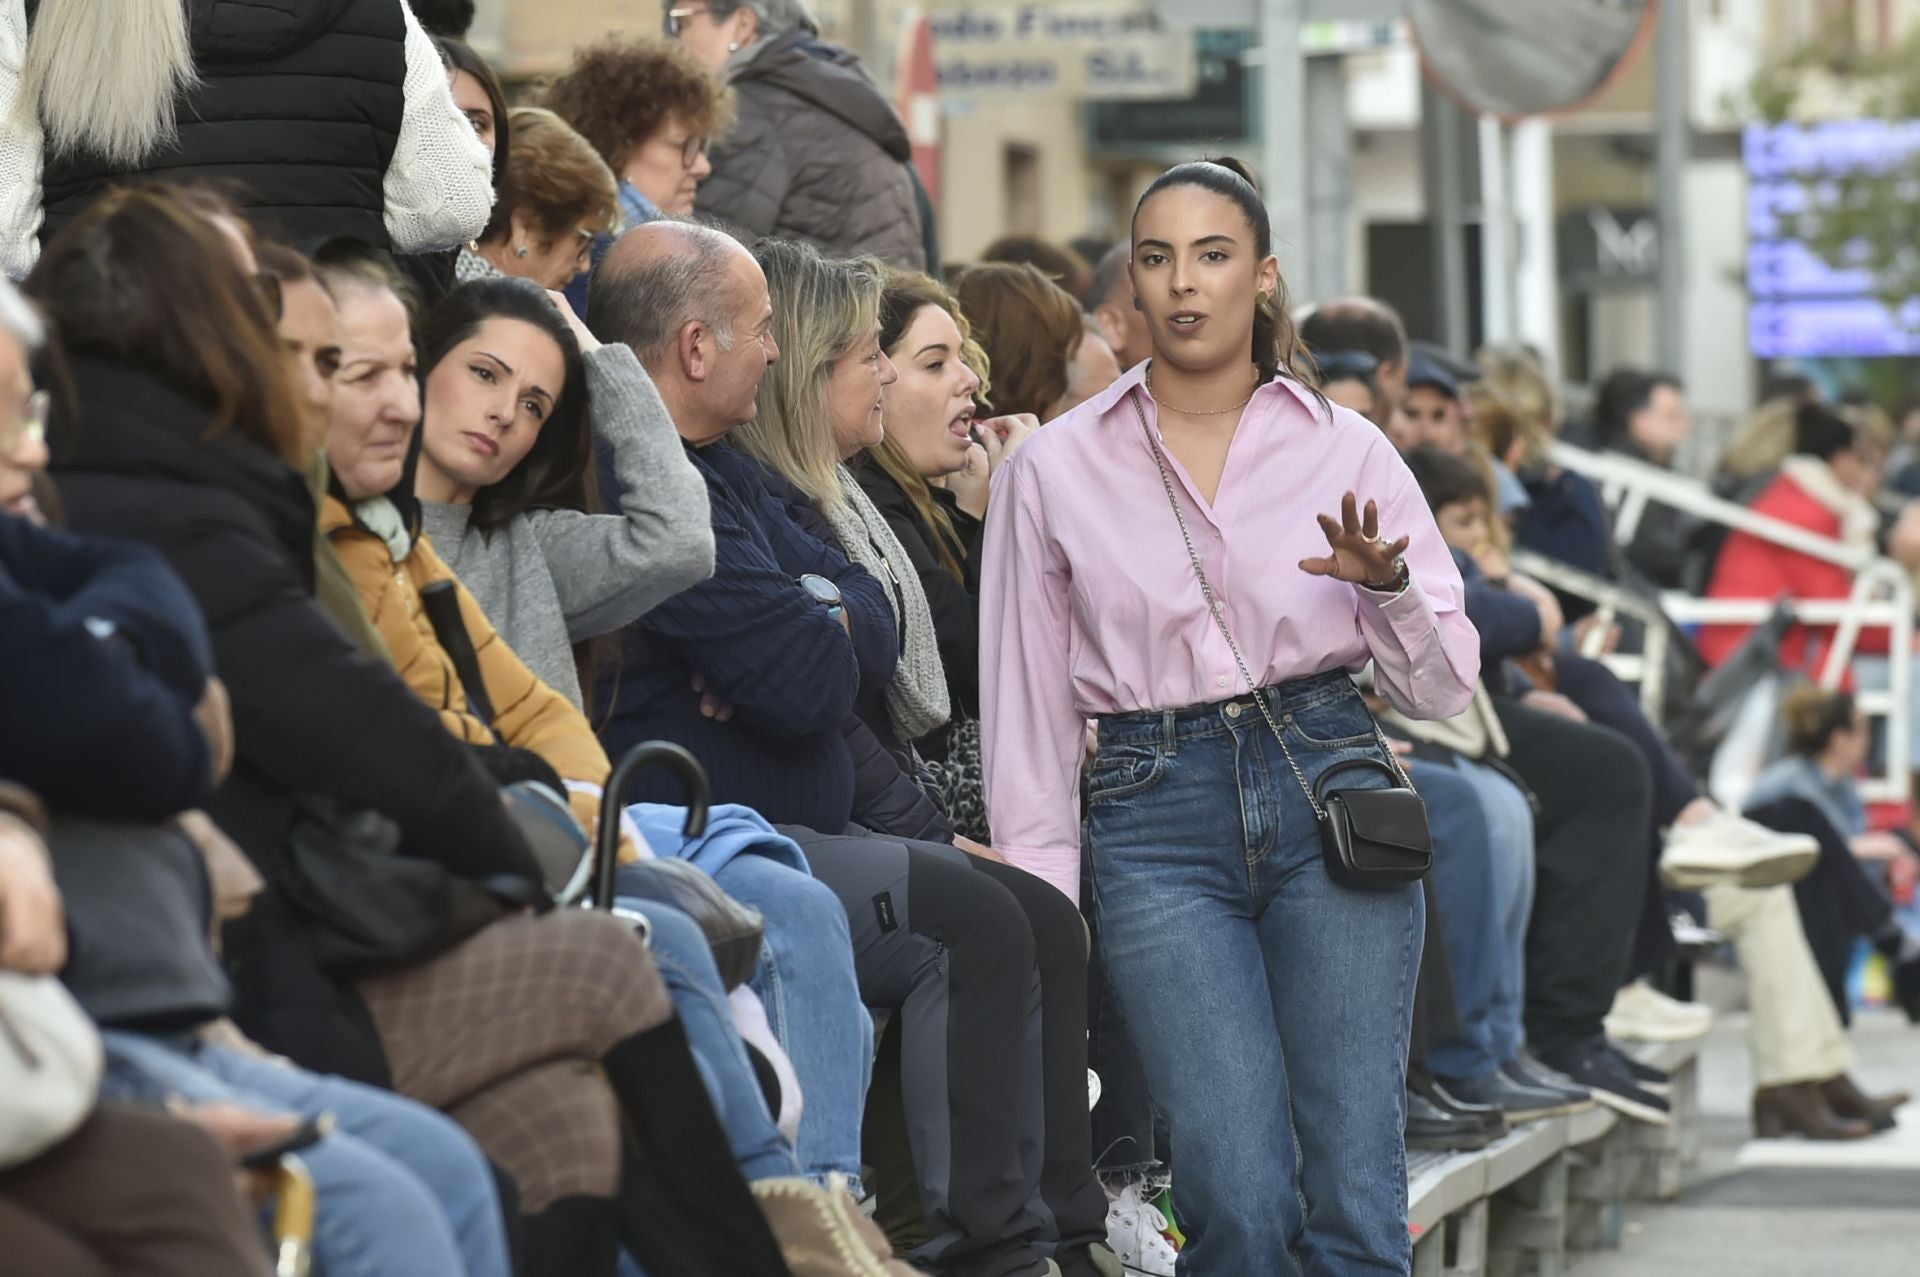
438, 187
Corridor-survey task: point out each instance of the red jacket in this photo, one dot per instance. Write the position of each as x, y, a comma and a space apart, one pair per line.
1750, 568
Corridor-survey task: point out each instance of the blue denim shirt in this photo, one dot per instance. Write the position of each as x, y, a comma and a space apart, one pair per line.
1797, 777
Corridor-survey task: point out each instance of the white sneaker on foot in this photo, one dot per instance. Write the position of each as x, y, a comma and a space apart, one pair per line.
1642, 1013
1725, 848
1136, 1230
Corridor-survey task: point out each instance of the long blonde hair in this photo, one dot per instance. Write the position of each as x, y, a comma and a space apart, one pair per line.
1518, 380
1763, 441
821, 310
104, 75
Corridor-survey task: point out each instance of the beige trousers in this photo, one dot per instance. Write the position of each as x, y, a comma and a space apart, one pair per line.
1795, 1034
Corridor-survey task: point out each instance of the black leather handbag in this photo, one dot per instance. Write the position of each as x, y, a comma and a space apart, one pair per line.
374, 908
1372, 839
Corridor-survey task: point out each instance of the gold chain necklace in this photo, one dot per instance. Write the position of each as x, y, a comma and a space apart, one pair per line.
1188, 412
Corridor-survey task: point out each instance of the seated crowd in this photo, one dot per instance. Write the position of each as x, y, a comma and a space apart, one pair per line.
357, 517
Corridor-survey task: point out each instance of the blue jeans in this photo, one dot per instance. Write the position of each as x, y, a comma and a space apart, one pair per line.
1271, 1006
402, 1190
685, 963
1510, 838
1483, 871
806, 982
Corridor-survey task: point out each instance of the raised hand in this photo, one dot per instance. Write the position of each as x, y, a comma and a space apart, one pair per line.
1004, 436
1359, 555
581, 333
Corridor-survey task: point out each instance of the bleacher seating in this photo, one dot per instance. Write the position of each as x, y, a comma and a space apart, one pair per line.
1549, 1187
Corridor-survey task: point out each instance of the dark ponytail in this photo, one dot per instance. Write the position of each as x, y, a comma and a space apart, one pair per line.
1277, 348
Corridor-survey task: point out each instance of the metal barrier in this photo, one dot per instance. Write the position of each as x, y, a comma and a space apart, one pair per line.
1882, 598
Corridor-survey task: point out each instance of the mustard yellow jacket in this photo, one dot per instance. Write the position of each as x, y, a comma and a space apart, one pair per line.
527, 714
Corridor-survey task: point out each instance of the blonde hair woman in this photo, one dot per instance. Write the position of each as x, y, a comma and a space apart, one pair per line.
819, 405
822, 404
1515, 378
1564, 518
335, 126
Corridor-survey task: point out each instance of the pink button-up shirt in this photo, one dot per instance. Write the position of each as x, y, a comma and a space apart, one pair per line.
1089, 604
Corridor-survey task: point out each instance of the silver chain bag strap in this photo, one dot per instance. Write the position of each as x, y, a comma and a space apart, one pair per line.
1370, 839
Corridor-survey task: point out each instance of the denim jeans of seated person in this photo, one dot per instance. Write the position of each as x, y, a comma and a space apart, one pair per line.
1271, 1006
806, 982
401, 1190
1489, 968
681, 955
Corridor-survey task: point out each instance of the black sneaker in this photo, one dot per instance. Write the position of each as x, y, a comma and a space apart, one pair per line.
1491, 1119
1518, 1101
1433, 1128
1656, 1080
1527, 1071
1593, 1065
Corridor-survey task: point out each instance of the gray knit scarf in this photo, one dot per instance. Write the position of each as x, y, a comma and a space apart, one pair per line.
917, 695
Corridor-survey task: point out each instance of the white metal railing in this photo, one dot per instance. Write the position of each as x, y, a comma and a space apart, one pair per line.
1882, 598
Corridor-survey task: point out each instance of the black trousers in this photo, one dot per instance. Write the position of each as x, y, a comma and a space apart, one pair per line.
1611, 703
1593, 858
985, 968
1436, 1007
1839, 902
1125, 1127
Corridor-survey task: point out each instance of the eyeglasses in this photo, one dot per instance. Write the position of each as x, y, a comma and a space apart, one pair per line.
677, 19
690, 150
31, 426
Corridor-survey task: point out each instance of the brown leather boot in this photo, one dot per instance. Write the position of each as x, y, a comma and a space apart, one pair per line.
1800, 1108
1847, 1100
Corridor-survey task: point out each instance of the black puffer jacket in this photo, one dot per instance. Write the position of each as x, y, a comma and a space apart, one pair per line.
299, 103
818, 154
311, 713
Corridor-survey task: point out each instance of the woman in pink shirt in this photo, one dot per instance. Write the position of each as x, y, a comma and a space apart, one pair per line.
1270, 1005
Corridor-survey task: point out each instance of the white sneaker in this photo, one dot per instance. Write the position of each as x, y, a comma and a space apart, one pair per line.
1136, 1230
1642, 1013
1725, 848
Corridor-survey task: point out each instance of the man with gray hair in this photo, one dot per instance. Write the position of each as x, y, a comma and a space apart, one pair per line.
693, 305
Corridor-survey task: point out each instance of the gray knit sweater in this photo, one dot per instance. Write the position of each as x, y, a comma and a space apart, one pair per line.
552, 578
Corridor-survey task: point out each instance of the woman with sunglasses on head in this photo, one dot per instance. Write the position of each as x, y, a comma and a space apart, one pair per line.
1268, 544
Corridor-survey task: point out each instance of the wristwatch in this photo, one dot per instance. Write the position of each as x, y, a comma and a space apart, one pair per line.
825, 593
1399, 581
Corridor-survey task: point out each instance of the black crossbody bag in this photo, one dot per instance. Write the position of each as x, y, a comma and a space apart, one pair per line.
1370, 839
